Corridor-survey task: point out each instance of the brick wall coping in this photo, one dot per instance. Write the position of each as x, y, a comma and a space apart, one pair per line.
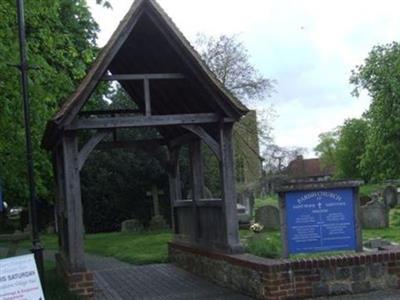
276, 265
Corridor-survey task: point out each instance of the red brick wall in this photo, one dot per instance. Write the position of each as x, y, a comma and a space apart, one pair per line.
293, 279
79, 283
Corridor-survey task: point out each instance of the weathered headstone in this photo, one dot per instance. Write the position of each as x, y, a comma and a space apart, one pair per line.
390, 196
268, 216
364, 200
157, 221
154, 193
131, 226
376, 243
374, 215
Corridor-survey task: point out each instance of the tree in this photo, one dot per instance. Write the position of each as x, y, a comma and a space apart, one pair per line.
350, 148
229, 59
278, 158
380, 76
326, 149
61, 38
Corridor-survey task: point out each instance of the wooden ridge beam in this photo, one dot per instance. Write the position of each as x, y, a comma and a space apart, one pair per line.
143, 121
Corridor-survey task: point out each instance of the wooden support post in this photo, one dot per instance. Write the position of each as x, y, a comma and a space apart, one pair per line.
283, 222
175, 189
58, 166
357, 212
147, 97
197, 182
76, 255
228, 188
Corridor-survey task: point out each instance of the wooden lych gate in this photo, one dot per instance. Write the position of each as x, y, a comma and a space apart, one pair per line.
176, 94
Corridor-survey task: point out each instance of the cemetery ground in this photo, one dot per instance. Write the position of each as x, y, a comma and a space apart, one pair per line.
149, 247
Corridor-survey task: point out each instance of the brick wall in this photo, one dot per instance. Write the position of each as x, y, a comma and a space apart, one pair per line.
79, 283
293, 279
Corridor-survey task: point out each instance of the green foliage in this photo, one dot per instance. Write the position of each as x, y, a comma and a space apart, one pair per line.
326, 149
60, 36
350, 148
368, 189
344, 148
380, 76
394, 218
265, 244
267, 200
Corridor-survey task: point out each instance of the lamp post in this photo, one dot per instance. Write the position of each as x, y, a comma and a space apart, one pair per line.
37, 249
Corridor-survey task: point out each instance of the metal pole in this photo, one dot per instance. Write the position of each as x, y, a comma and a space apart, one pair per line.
37, 249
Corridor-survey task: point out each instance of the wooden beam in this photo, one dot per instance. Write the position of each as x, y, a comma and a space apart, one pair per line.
147, 97
130, 144
109, 112
227, 171
200, 203
197, 183
75, 228
143, 121
206, 138
160, 76
89, 147
175, 189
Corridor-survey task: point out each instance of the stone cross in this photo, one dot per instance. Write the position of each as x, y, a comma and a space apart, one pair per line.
154, 193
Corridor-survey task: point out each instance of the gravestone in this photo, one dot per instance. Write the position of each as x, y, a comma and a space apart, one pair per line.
157, 221
245, 199
364, 200
268, 216
376, 243
390, 196
131, 226
374, 215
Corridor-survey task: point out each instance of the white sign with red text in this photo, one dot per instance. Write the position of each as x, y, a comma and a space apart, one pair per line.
19, 279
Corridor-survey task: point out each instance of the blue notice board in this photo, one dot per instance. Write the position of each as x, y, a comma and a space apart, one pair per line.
321, 220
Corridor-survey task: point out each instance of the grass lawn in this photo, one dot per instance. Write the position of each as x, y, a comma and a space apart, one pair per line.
136, 248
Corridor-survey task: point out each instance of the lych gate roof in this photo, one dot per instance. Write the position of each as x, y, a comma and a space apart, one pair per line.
148, 42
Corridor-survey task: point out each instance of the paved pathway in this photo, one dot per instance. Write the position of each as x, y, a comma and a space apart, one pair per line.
116, 280
156, 282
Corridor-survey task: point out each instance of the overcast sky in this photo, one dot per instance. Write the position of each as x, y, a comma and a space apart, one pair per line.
308, 46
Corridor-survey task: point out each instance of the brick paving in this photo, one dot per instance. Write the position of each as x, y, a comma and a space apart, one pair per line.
157, 282
116, 280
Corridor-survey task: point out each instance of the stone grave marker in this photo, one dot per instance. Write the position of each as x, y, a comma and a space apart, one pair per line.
374, 215
131, 226
390, 197
268, 216
157, 221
